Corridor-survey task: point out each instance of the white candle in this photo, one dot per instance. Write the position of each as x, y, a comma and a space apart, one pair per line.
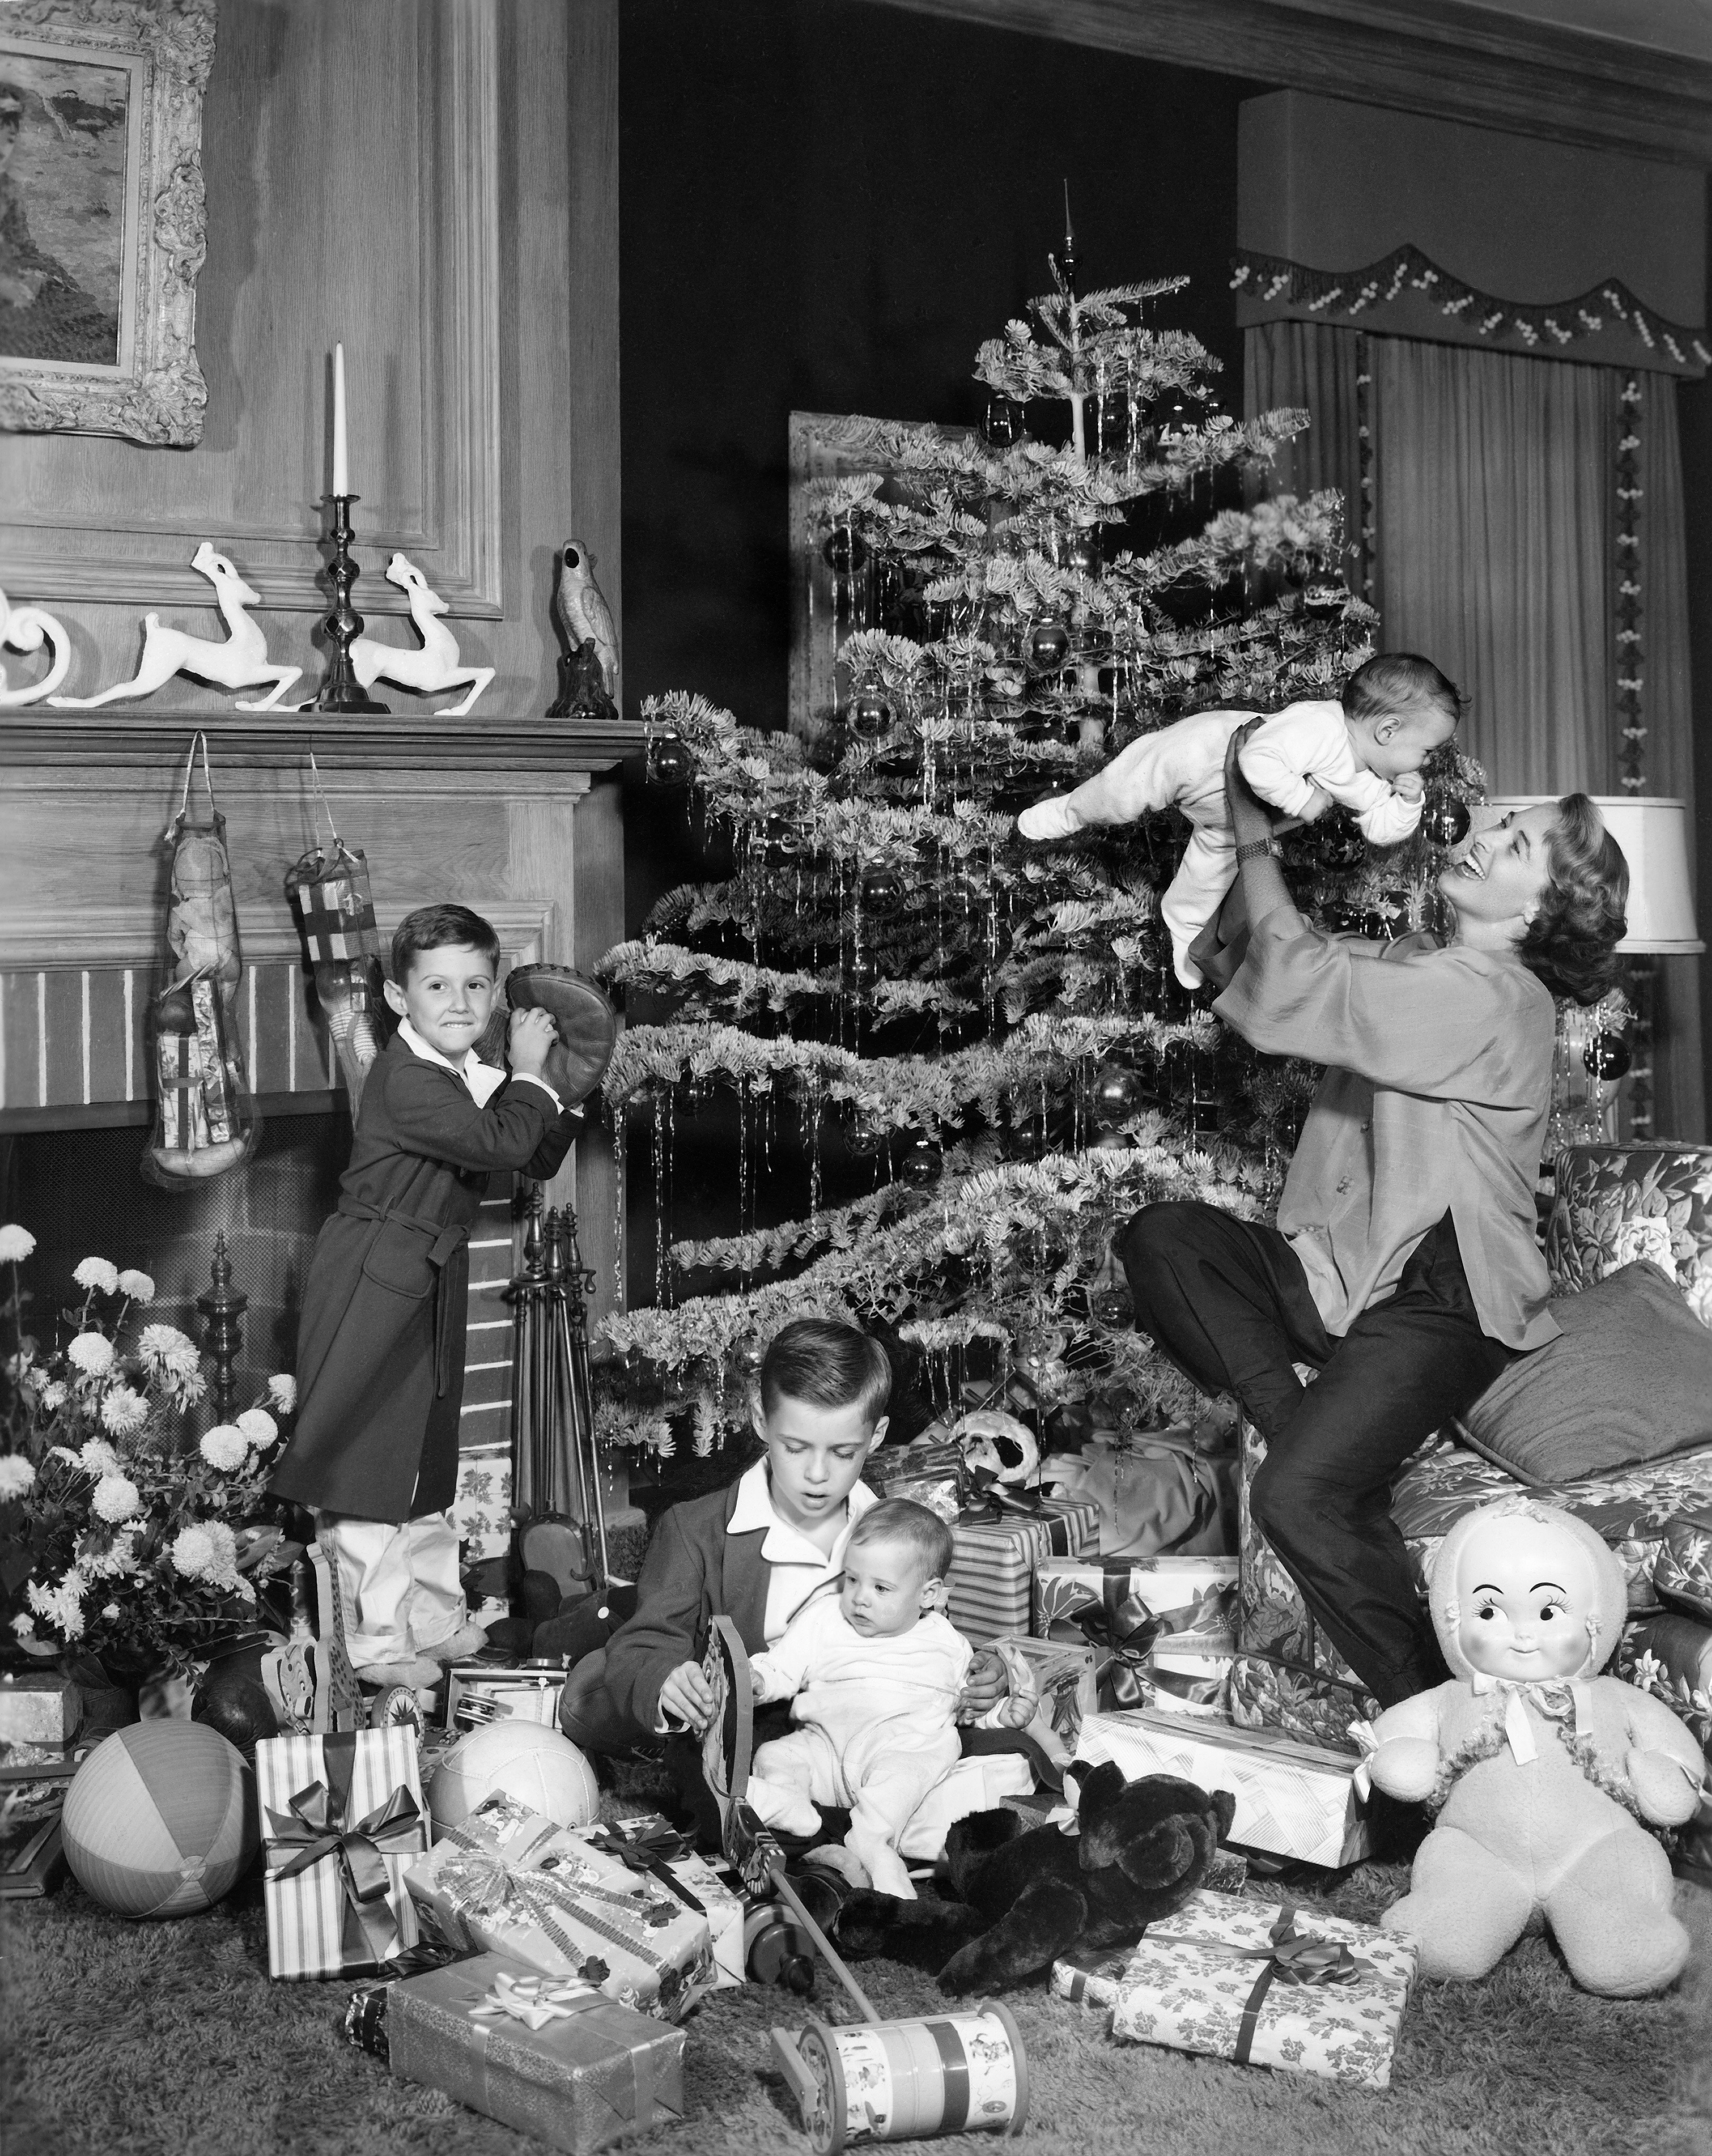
342, 461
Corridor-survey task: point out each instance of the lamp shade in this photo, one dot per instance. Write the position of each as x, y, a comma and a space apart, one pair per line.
1653, 834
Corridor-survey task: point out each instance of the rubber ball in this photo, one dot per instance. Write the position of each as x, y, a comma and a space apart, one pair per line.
537, 1766
161, 1820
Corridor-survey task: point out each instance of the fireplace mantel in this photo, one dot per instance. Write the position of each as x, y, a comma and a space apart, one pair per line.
499, 814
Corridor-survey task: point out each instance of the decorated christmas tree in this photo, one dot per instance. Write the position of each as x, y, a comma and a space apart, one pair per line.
959, 1061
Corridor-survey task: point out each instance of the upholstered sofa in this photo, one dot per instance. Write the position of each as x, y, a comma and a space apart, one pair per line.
1615, 1207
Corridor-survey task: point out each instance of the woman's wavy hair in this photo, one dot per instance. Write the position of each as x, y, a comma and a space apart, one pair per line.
1571, 941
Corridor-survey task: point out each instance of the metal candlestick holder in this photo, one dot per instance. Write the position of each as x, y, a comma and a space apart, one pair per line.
223, 1309
341, 691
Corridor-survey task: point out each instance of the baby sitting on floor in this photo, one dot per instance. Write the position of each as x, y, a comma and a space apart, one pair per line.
875, 1674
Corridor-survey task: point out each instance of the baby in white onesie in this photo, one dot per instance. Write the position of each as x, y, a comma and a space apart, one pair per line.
1365, 753
876, 1673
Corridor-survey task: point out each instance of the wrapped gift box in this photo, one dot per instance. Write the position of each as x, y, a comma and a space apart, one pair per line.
1174, 1682
1292, 1800
1089, 1977
992, 1574
342, 1821
1192, 1595
667, 1855
39, 1706
555, 2060
573, 1913
1068, 1677
1267, 1986
504, 1826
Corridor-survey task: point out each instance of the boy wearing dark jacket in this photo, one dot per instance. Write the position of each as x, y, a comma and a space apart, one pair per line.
380, 1353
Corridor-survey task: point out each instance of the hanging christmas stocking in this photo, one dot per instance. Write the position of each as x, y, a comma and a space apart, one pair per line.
204, 1122
334, 908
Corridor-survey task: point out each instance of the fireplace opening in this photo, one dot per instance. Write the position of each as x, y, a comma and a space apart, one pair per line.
79, 1191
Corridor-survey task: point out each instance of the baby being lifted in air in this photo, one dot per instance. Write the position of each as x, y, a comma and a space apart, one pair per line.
1365, 754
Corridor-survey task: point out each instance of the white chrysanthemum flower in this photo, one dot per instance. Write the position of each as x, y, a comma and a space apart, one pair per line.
16, 1476
98, 1457
124, 1411
186, 1392
258, 1426
91, 1352
282, 1391
109, 1610
24, 1625
117, 1498
138, 1286
165, 1347
16, 1244
114, 1562
225, 1446
54, 1395
223, 1558
100, 1273
193, 1552
62, 1606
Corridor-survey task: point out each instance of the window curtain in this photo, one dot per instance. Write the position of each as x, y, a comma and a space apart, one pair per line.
1483, 524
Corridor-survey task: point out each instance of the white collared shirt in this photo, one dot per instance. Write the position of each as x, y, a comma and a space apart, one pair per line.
798, 1567
482, 1079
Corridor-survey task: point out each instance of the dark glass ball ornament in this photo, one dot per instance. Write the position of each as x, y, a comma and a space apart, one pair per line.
1116, 1094
1001, 427
1082, 554
779, 841
1045, 645
1445, 819
922, 1161
844, 551
1112, 1306
865, 1138
882, 891
1607, 1057
860, 968
870, 714
670, 760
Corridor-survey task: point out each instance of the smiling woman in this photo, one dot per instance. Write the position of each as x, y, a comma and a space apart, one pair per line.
1404, 1269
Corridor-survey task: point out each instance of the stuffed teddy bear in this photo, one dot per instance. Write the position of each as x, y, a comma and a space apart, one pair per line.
1028, 1894
1542, 1771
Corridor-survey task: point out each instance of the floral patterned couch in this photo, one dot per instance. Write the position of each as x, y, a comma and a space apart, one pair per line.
1613, 1204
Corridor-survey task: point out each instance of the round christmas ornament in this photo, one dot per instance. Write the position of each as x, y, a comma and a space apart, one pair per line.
1045, 645
161, 1820
670, 760
1001, 427
844, 550
779, 840
1607, 1057
922, 1161
538, 1767
1082, 554
1117, 1094
1445, 819
870, 714
882, 889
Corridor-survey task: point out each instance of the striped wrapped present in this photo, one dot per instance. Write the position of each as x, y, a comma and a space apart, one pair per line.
1088, 1977
992, 1574
342, 1818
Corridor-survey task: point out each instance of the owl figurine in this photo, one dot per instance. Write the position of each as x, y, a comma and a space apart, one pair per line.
584, 611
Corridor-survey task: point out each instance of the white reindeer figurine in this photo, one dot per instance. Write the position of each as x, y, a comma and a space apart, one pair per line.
436, 667
237, 663
26, 628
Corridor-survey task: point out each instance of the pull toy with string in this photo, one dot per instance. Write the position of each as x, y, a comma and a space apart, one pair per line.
906, 2080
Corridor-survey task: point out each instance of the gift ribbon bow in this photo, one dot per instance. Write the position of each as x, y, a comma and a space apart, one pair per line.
1122, 1624
1290, 1955
649, 1847
534, 2001
314, 1827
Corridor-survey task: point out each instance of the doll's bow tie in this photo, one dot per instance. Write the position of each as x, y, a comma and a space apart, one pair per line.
1557, 1699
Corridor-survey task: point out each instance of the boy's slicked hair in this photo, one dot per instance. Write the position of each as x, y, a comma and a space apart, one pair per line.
901, 1520
432, 927
828, 1364
1398, 683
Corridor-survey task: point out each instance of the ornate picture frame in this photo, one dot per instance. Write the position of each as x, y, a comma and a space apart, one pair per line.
102, 217
825, 446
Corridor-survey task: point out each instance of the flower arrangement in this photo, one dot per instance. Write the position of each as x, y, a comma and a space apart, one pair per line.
117, 1537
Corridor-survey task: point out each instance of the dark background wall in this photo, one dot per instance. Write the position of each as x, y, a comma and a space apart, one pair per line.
825, 205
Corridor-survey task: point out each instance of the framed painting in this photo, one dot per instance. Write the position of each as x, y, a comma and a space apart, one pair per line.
102, 221
825, 605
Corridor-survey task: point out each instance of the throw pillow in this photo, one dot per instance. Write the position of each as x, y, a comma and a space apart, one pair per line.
1628, 1378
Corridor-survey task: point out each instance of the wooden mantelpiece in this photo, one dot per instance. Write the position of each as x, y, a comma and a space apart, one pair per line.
499, 814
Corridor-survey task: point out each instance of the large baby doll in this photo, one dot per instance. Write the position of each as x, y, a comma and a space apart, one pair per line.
1543, 1768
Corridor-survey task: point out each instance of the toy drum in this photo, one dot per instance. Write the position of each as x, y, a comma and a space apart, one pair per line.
907, 2081
585, 1022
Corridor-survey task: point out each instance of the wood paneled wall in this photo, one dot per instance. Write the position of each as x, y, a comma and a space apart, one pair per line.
435, 182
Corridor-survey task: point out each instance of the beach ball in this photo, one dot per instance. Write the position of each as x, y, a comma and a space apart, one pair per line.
160, 1819
537, 1766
